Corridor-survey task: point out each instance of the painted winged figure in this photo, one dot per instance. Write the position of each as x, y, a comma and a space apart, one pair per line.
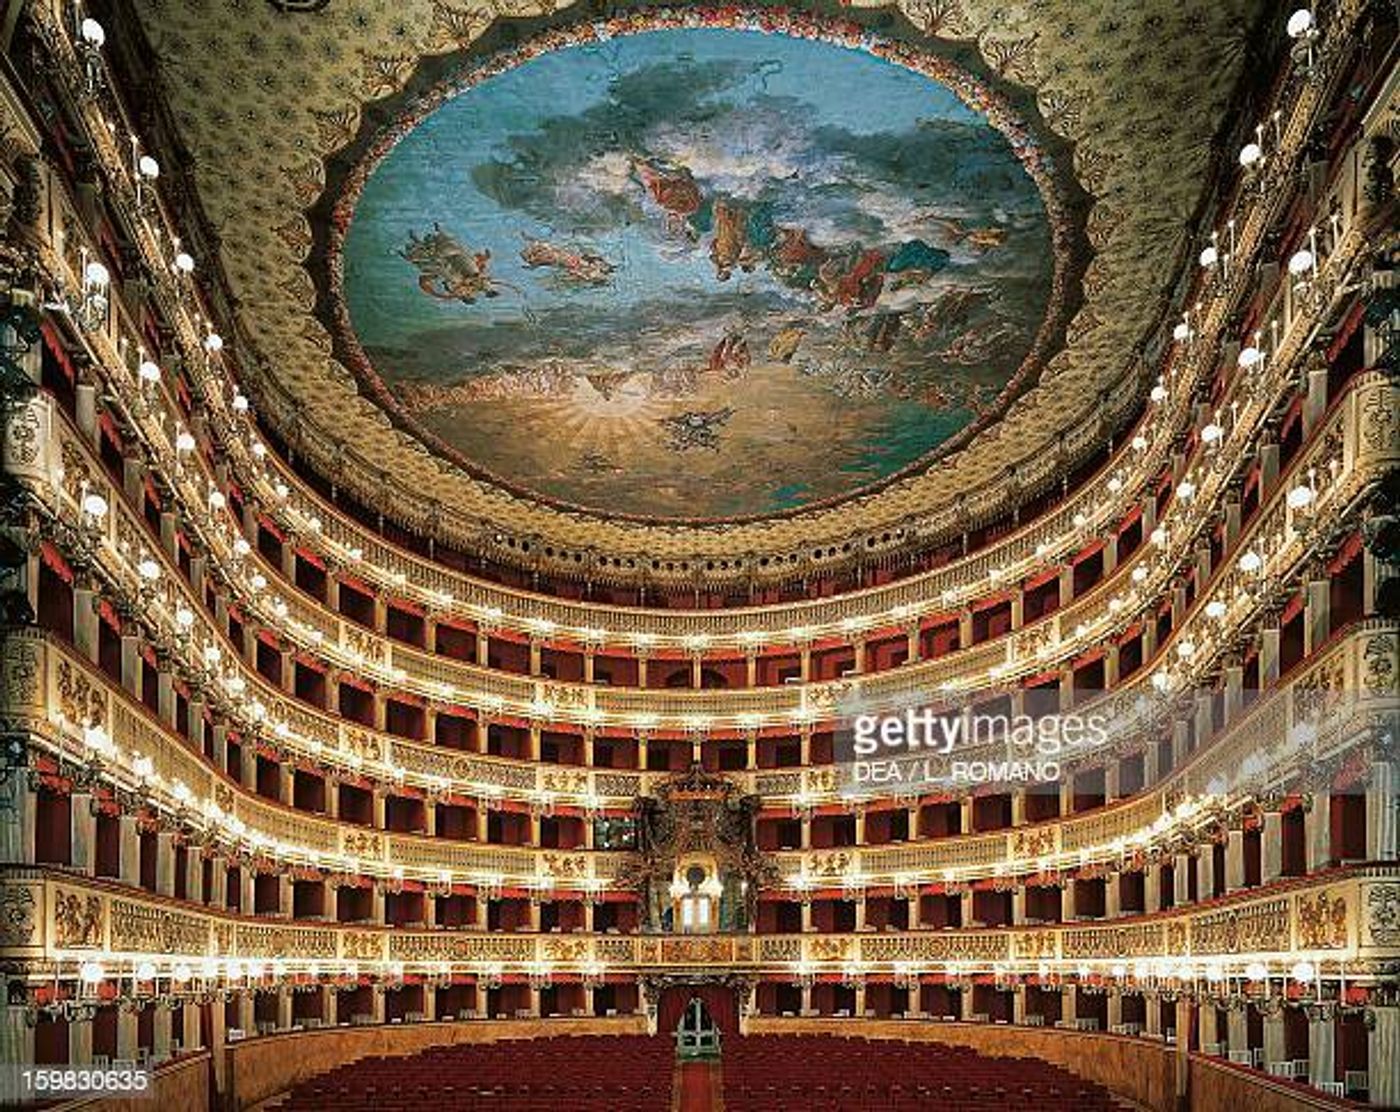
584, 267
447, 270
671, 187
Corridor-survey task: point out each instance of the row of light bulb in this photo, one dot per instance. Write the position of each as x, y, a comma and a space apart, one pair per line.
213, 343
97, 741
1249, 562
1186, 813
182, 971
1143, 971
185, 442
235, 683
1185, 491
1300, 24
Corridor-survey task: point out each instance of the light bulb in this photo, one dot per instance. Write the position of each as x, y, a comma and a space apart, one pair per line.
92, 972
184, 262
148, 371
1250, 154
184, 617
149, 570
93, 33
240, 403
184, 442
1181, 332
96, 275
1186, 490
1300, 23
148, 167
1159, 393
1209, 256
1304, 971
94, 505
241, 547
1300, 496
217, 501
1212, 433
213, 342
1256, 971
1300, 262
1215, 609
1249, 356
146, 971
1250, 562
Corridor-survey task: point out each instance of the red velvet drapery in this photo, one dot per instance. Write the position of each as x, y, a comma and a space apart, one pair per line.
720, 1002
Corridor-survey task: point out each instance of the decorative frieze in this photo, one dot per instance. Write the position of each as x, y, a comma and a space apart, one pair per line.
1129, 941
1252, 928
279, 941
79, 920
20, 921
146, 928
949, 946
1322, 920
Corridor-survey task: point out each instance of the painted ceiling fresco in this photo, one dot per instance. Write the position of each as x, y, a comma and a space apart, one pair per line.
699, 272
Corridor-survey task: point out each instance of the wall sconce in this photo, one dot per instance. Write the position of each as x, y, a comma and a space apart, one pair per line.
489, 976
1302, 29
89, 308
91, 37
90, 977
147, 170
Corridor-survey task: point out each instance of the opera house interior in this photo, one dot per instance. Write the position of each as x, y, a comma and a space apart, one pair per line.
967, 681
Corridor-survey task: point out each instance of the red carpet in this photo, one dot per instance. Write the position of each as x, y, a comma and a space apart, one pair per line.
697, 1087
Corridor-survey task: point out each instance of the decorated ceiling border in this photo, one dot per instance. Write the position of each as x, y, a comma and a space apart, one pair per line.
1139, 88
1045, 158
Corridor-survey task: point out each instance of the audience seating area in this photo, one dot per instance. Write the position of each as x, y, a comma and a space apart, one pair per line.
819, 1073
762, 1073
590, 1073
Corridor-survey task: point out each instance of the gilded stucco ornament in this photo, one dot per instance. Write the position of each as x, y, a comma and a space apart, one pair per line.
340, 58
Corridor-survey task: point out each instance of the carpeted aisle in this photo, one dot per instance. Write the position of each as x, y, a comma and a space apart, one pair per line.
698, 1087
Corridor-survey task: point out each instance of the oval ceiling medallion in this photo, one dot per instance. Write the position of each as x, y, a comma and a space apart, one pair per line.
680, 267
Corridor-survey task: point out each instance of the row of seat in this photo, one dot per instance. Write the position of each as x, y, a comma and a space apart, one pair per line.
764, 1073
587, 1073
